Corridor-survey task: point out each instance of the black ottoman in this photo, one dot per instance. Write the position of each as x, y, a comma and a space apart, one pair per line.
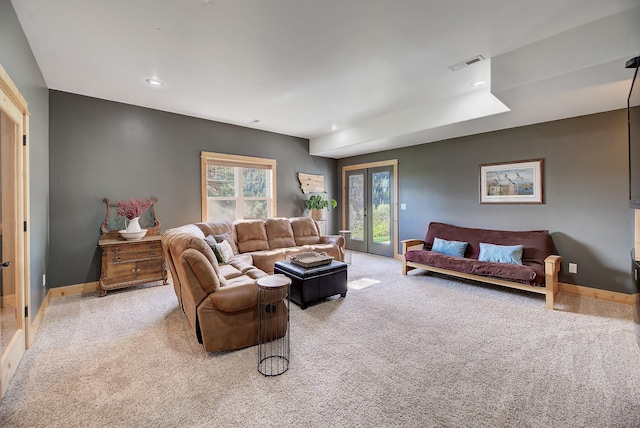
311, 284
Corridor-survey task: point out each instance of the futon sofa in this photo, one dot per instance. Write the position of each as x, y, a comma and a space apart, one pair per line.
220, 299
536, 270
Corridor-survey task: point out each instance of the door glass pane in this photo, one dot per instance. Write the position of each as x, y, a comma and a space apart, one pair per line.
381, 208
356, 207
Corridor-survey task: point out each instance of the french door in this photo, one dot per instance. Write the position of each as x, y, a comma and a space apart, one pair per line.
371, 208
14, 292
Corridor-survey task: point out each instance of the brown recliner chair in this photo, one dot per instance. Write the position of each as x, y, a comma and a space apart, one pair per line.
221, 305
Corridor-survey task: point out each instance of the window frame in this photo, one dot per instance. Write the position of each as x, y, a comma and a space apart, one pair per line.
223, 159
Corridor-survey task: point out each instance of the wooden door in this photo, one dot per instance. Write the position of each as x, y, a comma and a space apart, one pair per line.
14, 291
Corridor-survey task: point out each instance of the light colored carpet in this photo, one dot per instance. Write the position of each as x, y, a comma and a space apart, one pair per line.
418, 350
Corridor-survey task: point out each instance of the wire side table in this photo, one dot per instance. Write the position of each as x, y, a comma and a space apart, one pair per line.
273, 325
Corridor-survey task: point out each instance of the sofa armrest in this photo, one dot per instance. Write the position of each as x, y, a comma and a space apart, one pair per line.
412, 244
233, 298
332, 239
407, 245
551, 269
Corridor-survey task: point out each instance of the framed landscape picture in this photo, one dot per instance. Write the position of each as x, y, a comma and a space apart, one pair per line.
512, 182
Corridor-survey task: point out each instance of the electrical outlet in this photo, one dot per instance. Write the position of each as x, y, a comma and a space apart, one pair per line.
403, 206
44, 280
573, 268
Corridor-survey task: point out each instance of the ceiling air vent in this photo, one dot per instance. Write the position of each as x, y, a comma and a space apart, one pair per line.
463, 64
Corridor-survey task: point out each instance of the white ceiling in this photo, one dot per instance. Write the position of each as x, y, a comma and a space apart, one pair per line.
377, 69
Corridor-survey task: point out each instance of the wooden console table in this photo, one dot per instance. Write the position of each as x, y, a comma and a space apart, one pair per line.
129, 263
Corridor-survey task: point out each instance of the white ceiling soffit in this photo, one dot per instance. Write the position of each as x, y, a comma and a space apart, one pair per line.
556, 78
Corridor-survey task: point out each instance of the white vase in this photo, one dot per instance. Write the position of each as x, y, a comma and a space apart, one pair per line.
132, 225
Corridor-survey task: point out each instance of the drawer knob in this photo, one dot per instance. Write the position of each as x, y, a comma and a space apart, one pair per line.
153, 254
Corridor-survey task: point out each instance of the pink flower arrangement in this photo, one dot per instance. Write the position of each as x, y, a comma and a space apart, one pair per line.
132, 208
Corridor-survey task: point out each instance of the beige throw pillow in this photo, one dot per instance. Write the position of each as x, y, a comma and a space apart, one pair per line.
223, 251
229, 238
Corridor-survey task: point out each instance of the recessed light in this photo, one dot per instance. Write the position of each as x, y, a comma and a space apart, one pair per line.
154, 82
334, 127
478, 83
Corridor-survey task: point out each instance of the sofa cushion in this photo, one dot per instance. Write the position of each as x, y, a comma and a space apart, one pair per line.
450, 248
251, 235
215, 227
305, 230
279, 233
229, 272
500, 253
537, 244
265, 260
255, 273
242, 262
509, 272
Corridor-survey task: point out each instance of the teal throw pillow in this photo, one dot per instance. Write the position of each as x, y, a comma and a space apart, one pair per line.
511, 254
449, 248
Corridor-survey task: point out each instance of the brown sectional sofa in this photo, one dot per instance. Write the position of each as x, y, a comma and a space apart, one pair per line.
538, 272
220, 300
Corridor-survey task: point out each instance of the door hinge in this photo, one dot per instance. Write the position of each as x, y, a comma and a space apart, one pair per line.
24, 140
26, 311
25, 225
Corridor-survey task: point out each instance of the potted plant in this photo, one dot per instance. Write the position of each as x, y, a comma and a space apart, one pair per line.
318, 202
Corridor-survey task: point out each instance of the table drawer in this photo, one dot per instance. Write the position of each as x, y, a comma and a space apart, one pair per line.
134, 256
129, 248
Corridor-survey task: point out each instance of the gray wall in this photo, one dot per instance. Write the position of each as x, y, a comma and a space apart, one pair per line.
586, 191
18, 60
99, 149
106, 149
